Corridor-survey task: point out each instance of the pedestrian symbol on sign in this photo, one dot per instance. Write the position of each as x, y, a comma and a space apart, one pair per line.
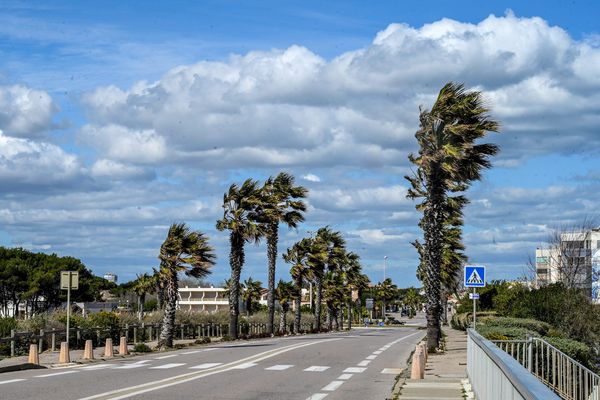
474, 279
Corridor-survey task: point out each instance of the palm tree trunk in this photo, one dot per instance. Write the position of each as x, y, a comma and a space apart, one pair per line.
236, 260
336, 324
329, 317
168, 328
272, 239
282, 322
349, 308
141, 301
433, 218
298, 314
318, 296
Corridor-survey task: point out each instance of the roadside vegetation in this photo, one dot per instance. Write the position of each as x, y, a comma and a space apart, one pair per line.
564, 317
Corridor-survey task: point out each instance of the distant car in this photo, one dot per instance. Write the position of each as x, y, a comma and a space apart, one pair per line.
404, 313
396, 322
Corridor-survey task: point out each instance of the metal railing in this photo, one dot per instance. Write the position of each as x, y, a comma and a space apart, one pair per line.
566, 377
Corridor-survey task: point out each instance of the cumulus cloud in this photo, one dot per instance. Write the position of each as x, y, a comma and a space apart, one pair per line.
311, 178
25, 112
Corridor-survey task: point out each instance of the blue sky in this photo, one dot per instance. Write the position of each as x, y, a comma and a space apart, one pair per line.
119, 118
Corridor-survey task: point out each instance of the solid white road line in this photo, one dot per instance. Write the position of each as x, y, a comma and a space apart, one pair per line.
354, 370
11, 381
364, 363
56, 373
317, 396
131, 366
96, 366
193, 352
332, 386
206, 365
244, 366
344, 377
163, 357
278, 367
167, 366
316, 368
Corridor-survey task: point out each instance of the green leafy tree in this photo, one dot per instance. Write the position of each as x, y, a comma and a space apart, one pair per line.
281, 202
182, 251
449, 160
240, 219
144, 284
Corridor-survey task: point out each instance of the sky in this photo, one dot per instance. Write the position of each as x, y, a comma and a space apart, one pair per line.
120, 118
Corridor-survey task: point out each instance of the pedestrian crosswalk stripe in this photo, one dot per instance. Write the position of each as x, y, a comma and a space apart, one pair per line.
278, 367
244, 366
206, 365
354, 370
163, 357
364, 363
344, 377
167, 366
333, 386
317, 396
316, 368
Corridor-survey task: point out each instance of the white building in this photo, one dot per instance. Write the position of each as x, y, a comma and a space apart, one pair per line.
575, 260
208, 299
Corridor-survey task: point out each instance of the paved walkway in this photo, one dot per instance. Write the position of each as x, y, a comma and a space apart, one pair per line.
445, 372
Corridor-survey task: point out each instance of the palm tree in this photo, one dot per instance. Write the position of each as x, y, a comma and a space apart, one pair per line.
385, 291
360, 283
144, 284
281, 203
182, 251
297, 255
352, 276
413, 300
334, 295
285, 292
240, 219
317, 261
251, 291
448, 162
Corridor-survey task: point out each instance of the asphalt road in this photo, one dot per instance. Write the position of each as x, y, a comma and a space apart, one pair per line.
360, 364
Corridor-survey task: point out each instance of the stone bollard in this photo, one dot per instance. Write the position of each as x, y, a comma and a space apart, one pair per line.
108, 349
423, 347
416, 371
34, 357
88, 352
64, 356
123, 346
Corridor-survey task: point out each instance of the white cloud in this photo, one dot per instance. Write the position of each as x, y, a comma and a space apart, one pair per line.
311, 178
25, 112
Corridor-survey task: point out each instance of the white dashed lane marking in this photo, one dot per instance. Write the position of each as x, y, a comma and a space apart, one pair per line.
363, 363
278, 367
378, 352
333, 386
167, 366
391, 371
344, 377
11, 381
316, 368
317, 396
354, 370
206, 365
371, 357
95, 367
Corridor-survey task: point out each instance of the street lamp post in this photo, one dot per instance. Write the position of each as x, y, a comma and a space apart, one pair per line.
384, 266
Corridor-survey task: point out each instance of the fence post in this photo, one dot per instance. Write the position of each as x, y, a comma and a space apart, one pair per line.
53, 341
41, 341
182, 331
529, 353
13, 340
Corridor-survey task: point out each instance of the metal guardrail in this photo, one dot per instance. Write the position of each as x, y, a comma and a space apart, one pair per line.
495, 375
566, 377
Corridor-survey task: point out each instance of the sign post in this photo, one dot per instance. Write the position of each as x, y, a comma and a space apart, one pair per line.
69, 280
474, 277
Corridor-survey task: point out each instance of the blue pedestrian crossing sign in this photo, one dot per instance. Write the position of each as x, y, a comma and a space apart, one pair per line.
474, 276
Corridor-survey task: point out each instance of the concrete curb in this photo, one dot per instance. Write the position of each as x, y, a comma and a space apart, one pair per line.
21, 367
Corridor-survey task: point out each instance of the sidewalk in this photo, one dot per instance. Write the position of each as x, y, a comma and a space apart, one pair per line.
49, 359
445, 373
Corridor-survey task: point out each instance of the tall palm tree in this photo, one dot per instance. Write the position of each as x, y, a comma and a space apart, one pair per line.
317, 261
251, 290
285, 292
144, 284
297, 255
385, 291
182, 251
352, 276
334, 294
448, 162
360, 283
281, 203
240, 217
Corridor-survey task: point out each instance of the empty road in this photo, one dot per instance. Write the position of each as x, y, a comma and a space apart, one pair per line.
360, 364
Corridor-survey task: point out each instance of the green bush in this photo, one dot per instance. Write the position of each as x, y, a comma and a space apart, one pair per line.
498, 332
539, 327
202, 340
142, 348
574, 349
6, 325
